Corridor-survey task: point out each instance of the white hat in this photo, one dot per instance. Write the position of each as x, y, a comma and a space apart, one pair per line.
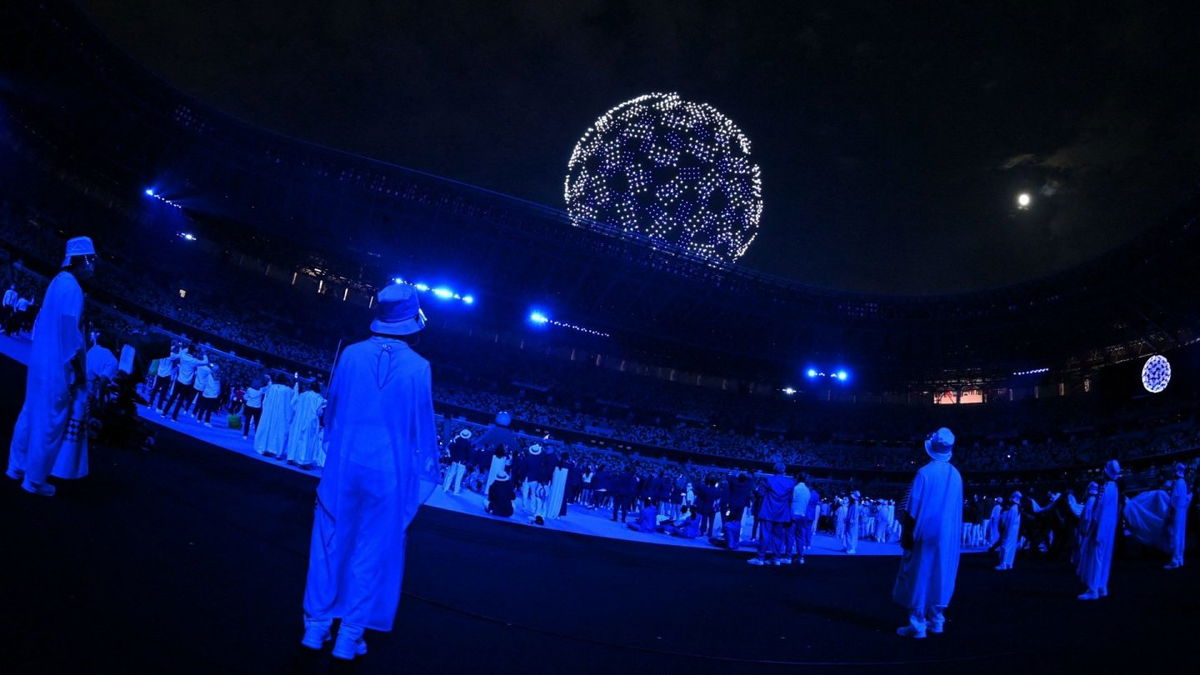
78, 246
940, 444
465, 434
501, 476
397, 311
535, 449
1112, 469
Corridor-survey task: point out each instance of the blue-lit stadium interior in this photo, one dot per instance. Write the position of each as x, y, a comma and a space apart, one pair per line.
272, 249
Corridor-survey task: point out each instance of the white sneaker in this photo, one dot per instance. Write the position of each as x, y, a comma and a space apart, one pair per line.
349, 646
316, 634
43, 489
910, 632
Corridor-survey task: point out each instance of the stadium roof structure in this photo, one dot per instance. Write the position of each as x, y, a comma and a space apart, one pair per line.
88, 102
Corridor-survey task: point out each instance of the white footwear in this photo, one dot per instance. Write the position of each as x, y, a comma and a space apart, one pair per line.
757, 561
1090, 595
784, 561
910, 632
43, 489
349, 645
316, 634
937, 627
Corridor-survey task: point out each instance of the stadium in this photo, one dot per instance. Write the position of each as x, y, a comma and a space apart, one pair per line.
624, 351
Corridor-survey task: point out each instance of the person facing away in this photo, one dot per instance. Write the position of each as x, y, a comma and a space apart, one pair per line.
382, 464
1177, 516
304, 435
1095, 558
1010, 532
931, 540
270, 437
53, 415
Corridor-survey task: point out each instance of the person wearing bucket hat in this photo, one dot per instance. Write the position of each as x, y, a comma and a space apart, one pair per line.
381, 465
500, 496
1010, 532
853, 522
460, 454
53, 417
931, 539
1177, 516
1095, 558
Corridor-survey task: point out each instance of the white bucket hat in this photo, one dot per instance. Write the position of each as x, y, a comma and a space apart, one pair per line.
78, 246
397, 311
940, 444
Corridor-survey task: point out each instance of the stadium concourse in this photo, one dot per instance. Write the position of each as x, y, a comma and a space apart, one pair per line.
189, 559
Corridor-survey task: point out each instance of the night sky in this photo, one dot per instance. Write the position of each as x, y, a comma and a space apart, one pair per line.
893, 141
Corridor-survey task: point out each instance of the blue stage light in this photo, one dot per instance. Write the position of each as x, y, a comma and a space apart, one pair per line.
397, 280
811, 373
538, 318
841, 375
443, 293
468, 300
421, 287
149, 192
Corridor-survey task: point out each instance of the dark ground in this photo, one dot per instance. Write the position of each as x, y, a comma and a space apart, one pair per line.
192, 559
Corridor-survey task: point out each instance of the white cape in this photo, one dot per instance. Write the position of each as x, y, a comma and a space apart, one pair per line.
270, 438
382, 464
304, 436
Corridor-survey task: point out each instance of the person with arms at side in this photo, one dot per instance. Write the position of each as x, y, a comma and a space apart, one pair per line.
931, 540
52, 418
1177, 516
1101, 536
1010, 532
382, 465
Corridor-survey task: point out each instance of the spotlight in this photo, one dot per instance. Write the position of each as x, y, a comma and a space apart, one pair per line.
149, 192
443, 293
538, 318
421, 287
841, 375
1024, 200
468, 300
789, 391
811, 373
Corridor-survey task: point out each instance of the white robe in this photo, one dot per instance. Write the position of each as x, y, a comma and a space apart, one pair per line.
1010, 528
993, 528
558, 490
270, 438
1180, 500
1101, 536
928, 570
382, 464
304, 436
53, 419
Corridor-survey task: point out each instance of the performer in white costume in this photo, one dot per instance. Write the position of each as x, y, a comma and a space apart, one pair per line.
558, 487
1177, 516
382, 464
304, 436
1010, 532
53, 419
270, 437
932, 530
1101, 536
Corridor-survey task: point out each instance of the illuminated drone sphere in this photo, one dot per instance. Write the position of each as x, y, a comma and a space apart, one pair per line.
1156, 374
673, 170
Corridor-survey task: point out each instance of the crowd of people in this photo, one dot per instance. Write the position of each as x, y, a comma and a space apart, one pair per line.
384, 452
